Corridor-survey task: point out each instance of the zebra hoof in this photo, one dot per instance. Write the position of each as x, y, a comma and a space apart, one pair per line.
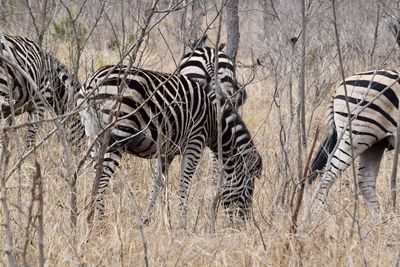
183, 224
318, 208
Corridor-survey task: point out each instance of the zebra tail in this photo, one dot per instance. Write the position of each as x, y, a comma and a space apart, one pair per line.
326, 148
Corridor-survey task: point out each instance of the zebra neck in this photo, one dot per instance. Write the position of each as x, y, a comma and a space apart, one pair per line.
236, 138
69, 85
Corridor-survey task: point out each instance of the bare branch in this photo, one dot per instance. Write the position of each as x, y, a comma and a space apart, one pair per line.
3, 199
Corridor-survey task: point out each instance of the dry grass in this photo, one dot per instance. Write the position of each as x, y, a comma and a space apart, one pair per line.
116, 241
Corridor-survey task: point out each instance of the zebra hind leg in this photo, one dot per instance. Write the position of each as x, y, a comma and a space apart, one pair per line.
341, 160
369, 167
111, 161
158, 184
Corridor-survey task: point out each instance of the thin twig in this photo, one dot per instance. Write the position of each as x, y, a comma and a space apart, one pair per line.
348, 112
393, 177
293, 228
139, 221
216, 198
39, 184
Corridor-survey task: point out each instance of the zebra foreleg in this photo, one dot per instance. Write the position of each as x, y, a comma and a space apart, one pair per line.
369, 167
236, 199
158, 183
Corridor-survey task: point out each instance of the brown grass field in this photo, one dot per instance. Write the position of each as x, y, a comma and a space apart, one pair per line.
339, 237
117, 241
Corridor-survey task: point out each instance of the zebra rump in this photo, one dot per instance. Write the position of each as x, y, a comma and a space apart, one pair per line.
199, 65
363, 121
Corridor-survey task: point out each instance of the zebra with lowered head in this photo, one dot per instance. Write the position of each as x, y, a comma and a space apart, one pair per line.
18, 94
373, 101
199, 65
152, 114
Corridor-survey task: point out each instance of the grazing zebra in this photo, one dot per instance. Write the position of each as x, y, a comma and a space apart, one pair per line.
17, 95
199, 65
156, 114
373, 98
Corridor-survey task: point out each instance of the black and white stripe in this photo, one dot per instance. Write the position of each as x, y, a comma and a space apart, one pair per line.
199, 65
17, 95
373, 98
162, 115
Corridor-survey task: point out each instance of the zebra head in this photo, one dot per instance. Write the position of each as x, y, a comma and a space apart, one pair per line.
62, 97
242, 164
199, 65
62, 88
238, 187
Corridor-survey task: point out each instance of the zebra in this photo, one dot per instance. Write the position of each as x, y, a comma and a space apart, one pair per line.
373, 100
156, 114
199, 65
18, 95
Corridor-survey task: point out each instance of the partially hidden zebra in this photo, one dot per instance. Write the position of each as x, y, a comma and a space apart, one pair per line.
22, 60
373, 100
151, 114
199, 65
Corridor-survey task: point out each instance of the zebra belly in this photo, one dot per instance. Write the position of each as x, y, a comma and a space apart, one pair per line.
143, 143
138, 143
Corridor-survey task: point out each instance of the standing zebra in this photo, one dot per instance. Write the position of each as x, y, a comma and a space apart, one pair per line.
373, 98
156, 114
199, 65
17, 95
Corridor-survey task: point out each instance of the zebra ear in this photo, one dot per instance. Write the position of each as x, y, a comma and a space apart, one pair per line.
394, 26
221, 46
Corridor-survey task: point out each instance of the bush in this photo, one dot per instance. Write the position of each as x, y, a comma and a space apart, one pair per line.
64, 30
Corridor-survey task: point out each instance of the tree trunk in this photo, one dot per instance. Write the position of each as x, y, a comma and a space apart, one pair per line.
195, 22
232, 26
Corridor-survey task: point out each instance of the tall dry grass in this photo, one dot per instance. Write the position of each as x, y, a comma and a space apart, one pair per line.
116, 241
